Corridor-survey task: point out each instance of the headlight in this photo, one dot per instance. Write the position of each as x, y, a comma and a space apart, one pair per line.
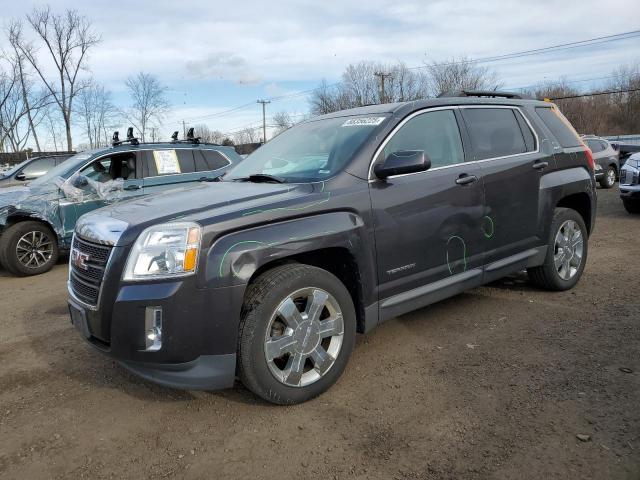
165, 250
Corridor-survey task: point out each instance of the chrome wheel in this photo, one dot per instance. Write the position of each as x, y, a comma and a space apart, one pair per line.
569, 248
34, 249
304, 337
611, 177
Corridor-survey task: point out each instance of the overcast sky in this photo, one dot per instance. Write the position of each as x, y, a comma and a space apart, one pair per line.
216, 55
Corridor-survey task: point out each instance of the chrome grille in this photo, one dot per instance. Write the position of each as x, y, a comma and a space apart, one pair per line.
86, 276
628, 177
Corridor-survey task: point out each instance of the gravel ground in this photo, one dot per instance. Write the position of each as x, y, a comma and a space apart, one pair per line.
495, 383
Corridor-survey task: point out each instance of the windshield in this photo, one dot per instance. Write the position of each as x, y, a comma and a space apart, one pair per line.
311, 151
66, 168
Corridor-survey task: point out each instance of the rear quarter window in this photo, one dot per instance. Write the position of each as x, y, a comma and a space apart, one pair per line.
559, 126
209, 160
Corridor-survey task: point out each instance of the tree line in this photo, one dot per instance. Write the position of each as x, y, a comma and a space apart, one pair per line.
46, 86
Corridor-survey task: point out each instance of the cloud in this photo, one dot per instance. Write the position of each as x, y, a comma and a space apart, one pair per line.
223, 66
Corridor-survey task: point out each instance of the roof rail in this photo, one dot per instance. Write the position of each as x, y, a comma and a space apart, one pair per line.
484, 93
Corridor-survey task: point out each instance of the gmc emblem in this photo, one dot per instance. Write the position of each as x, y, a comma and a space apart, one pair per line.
79, 259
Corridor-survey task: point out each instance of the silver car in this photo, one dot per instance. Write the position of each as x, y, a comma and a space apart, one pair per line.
606, 159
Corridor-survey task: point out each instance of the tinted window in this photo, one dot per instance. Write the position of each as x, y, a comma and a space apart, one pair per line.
594, 145
559, 126
604, 145
38, 167
209, 160
494, 132
436, 133
169, 162
527, 133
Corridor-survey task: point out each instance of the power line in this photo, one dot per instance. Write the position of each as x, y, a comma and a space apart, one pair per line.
594, 94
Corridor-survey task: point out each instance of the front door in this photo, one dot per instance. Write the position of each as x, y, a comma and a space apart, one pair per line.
428, 225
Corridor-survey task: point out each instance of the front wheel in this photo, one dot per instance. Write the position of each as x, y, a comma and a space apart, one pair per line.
28, 248
297, 332
566, 252
609, 178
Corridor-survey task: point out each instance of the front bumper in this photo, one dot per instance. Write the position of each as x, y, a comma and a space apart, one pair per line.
199, 331
630, 192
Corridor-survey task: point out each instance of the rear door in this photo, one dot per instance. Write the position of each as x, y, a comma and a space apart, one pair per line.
507, 149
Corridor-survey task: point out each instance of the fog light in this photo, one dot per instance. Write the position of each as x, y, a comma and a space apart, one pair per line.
153, 329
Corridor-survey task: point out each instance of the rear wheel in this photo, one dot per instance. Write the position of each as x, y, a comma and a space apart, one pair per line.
566, 252
631, 206
609, 178
28, 248
297, 332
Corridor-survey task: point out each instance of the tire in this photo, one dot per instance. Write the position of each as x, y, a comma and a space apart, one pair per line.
631, 206
608, 180
275, 380
17, 238
549, 276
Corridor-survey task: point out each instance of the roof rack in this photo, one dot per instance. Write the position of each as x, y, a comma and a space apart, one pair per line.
191, 138
484, 93
130, 138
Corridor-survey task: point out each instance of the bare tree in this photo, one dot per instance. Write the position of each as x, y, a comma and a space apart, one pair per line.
97, 113
247, 135
460, 74
149, 102
67, 37
360, 86
14, 133
282, 121
209, 136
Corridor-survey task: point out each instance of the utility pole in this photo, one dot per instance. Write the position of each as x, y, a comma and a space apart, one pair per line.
382, 76
184, 130
264, 119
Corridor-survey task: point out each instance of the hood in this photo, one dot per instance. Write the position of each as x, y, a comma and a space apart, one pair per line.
204, 203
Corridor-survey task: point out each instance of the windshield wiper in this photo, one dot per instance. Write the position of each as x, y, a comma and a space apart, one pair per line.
260, 178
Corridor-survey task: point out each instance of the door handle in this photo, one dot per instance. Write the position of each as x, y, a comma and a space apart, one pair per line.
465, 179
132, 187
540, 165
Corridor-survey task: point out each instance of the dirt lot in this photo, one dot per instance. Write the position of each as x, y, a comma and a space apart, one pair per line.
495, 383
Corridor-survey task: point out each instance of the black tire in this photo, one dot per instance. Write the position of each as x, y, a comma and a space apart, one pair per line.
262, 298
631, 207
608, 179
546, 276
9, 246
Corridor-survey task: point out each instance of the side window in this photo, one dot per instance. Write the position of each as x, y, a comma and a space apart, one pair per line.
209, 160
494, 132
594, 145
603, 145
529, 138
559, 126
38, 168
436, 133
168, 162
98, 170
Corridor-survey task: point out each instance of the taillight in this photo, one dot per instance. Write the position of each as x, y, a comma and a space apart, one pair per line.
592, 164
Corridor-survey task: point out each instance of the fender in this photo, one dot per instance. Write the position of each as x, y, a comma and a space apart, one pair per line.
47, 215
559, 184
234, 258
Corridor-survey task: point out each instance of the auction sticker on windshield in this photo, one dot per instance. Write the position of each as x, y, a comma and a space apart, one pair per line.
364, 121
166, 162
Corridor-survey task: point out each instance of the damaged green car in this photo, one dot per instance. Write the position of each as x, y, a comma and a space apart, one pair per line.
37, 220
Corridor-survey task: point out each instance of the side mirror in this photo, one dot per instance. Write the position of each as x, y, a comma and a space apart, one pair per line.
21, 176
402, 162
80, 181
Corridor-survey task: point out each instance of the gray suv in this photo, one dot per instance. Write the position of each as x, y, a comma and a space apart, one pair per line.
333, 227
606, 158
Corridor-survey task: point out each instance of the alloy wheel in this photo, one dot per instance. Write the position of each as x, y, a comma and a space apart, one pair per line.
611, 177
569, 249
34, 249
304, 337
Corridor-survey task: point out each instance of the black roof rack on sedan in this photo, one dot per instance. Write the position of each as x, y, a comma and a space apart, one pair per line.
130, 138
484, 93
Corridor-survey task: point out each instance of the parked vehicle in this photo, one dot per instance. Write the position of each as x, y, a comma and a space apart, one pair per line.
606, 159
625, 150
30, 169
37, 221
331, 228
630, 184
